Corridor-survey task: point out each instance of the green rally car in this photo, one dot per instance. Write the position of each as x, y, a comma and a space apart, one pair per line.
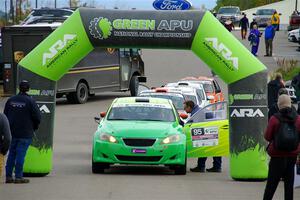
140, 131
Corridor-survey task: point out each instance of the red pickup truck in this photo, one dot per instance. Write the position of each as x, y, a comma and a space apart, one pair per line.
294, 21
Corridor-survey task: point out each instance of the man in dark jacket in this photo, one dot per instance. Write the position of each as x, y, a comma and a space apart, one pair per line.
24, 118
252, 24
282, 163
269, 36
244, 24
273, 88
5, 139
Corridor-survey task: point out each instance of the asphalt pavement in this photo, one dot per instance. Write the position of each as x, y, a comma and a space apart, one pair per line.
72, 178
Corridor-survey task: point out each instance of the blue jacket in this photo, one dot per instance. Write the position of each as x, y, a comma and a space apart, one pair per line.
269, 32
23, 115
195, 109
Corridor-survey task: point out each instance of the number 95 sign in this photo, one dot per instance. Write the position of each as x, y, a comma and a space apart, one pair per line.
204, 137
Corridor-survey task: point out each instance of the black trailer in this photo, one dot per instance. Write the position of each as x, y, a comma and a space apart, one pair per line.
102, 70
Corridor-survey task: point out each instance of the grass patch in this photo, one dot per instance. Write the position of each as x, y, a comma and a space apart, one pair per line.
288, 69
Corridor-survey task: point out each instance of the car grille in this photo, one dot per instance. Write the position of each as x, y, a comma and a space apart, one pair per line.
139, 158
139, 142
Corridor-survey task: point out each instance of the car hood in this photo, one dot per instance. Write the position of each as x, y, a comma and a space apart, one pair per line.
141, 129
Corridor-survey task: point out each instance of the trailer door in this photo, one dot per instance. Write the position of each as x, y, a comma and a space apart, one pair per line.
125, 72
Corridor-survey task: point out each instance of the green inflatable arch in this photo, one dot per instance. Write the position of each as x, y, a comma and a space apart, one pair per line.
191, 30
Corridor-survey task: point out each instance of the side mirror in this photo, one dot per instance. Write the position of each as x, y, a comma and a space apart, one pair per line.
102, 114
97, 119
218, 91
210, 97
280, 14
183, 116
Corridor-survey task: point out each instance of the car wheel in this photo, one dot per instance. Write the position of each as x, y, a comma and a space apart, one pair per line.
134, 86
98, 167
180, 169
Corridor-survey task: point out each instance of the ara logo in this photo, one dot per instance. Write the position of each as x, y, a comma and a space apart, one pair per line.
224, 51
247, 112
57, 47
44, 109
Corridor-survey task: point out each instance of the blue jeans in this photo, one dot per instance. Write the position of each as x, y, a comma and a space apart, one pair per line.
216, 164
16, 156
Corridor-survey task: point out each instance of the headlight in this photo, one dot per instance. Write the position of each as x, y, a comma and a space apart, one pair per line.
108, 138
171, 139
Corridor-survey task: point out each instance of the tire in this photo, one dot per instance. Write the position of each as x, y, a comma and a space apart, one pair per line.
80, 96
181, 169
98, 167
134, 86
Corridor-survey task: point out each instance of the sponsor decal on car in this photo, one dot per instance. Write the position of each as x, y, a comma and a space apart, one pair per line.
203, 137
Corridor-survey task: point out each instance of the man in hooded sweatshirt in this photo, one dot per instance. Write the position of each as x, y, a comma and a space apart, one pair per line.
282, 163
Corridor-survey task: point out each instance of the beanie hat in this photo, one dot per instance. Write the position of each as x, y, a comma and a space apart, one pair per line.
284, 101
24, 86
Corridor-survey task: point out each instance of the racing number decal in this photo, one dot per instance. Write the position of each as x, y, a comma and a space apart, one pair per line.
205, 137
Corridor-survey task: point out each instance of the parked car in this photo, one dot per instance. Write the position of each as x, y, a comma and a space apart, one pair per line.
291, 90
139, 131
294, 21
294, 35
232, 13
45, 15
262, 16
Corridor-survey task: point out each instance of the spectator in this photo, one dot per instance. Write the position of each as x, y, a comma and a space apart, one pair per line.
24, 118
5, 139
282, 163
273, 89
190, 107
275, 20
254, 40
244, 24
252, 24
269, 36
229, 25
274, 108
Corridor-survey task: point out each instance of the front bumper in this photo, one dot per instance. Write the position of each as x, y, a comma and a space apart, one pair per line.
119, 153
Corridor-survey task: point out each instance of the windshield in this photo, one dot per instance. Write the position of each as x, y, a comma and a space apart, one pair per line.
228, 10
176, 99
265, 12
56, 13
142, 112
191, 97
208, 88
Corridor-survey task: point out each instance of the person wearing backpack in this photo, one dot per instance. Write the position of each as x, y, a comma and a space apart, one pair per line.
5, 139
282, 133
253, 38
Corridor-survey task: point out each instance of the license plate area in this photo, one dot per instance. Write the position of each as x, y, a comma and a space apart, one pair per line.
139, 151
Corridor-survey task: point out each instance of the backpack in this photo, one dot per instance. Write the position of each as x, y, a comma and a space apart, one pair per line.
252, 39
287, 136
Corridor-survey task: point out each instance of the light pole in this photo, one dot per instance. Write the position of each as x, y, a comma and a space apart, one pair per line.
36, 3
5, 4
296, 5
55, 3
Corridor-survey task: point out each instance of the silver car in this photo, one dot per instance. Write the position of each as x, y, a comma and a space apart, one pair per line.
262, 16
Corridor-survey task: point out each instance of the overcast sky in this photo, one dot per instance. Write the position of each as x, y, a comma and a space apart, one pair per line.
139, 4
